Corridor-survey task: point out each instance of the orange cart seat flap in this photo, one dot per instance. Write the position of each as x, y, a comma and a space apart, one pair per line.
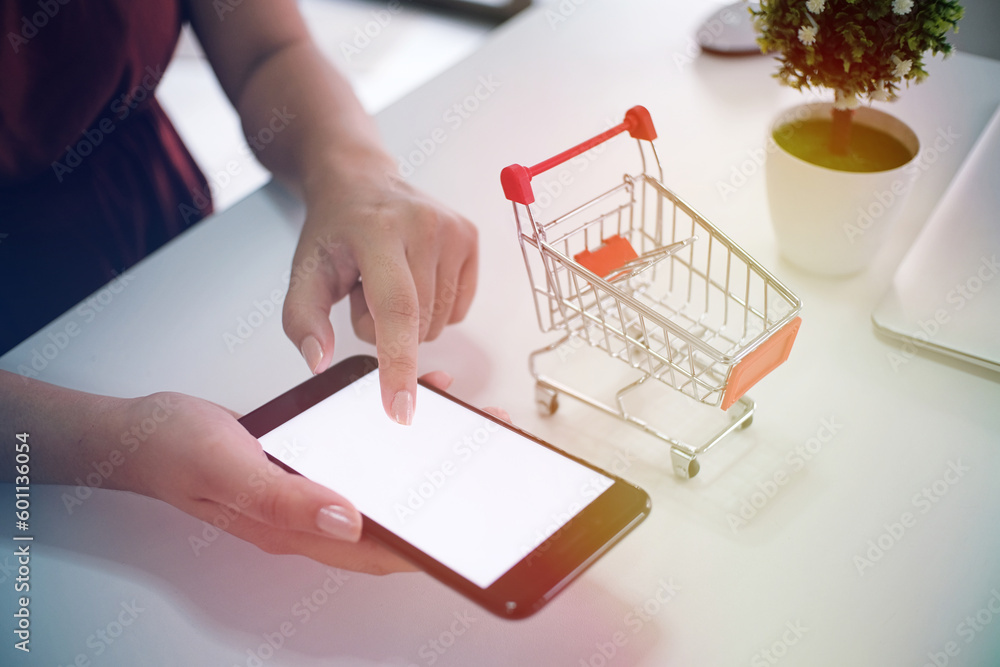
613, 253
752, 368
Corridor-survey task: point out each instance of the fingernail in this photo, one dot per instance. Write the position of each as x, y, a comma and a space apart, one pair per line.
402, 407
312, 352
338, 523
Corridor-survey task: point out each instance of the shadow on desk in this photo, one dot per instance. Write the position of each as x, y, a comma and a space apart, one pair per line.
234, 599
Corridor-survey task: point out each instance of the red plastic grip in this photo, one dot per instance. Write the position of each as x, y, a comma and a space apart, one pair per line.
516, 179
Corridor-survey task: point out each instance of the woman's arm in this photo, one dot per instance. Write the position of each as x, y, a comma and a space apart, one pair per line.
66, 429
187, 452
417, 260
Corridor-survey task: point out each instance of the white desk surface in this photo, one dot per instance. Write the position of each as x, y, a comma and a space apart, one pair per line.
788, 582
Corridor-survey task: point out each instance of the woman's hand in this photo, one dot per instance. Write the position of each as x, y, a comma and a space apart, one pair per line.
194, 455
416, 260
408, 264
201, 460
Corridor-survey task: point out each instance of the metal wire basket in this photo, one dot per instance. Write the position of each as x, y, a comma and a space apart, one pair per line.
639, 274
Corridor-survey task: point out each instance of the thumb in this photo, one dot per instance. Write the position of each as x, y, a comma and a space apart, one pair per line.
287, 501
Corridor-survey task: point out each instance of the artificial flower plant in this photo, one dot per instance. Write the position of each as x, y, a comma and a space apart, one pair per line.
857, 48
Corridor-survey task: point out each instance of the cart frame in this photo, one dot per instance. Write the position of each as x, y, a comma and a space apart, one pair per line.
637, 272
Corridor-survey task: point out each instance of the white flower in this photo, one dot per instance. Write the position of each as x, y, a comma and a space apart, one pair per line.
807, 35
816, 6
848, 101
902, 6
902, 67
880, 94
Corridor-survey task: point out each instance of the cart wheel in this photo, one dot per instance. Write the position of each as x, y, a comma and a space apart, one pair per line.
546, 400
746, 423
686, 465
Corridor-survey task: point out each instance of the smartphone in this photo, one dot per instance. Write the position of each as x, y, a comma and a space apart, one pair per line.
495, 513
495, 10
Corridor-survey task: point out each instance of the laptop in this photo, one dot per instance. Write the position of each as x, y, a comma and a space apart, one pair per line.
945, 295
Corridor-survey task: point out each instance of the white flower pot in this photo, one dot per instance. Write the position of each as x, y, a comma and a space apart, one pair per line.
832, 222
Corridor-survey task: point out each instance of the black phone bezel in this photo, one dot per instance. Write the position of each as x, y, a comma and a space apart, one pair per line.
479, 10
539, 576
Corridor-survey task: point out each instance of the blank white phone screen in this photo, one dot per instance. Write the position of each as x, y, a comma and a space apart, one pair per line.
471, 494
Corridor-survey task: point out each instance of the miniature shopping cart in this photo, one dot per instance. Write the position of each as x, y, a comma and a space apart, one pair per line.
637, 273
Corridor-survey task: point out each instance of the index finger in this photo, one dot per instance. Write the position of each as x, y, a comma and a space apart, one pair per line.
391, 296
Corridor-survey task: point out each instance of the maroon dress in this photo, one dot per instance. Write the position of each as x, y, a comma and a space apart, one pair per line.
93, 177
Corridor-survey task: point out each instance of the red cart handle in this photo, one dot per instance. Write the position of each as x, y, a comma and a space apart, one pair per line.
516, 179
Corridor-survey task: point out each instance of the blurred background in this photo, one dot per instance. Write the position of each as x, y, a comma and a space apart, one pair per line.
385, 58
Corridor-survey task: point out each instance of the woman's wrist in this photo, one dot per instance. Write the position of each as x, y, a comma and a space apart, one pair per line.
346, 168
121, 428
71, 433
